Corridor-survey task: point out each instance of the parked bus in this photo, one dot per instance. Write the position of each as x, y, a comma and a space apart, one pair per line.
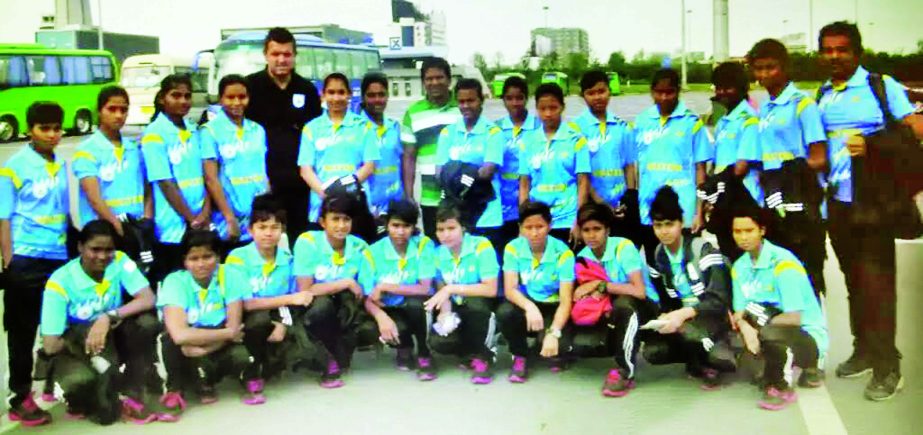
72, 78
242, 53
496, 86
615, 84
557, 77
141, 76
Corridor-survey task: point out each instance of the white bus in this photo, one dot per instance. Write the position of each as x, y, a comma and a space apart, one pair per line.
141, 76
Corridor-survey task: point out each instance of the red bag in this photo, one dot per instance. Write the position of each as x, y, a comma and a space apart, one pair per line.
589, 310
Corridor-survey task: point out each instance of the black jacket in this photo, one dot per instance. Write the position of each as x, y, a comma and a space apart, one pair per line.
706, 270
474, 197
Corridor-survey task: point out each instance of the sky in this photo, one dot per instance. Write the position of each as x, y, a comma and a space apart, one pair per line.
496, 28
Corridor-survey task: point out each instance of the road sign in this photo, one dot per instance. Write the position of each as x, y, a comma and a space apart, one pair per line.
394, 43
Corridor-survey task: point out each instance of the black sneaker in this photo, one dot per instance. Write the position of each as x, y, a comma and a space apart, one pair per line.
880, 389
404, 359
853, 367
811, 378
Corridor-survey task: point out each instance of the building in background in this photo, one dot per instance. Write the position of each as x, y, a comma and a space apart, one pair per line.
327, 32
71, 27
563, 41
795, 42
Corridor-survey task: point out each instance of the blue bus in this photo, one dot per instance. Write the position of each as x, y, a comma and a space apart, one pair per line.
242, 53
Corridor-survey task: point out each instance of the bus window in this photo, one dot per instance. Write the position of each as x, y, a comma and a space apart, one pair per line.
43, 70
304, 62
371, 62
323, 59
76, 70
358, 63
342, 63
13, 71
102, 69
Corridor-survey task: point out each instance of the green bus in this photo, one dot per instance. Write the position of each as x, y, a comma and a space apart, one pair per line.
615, 85
496, 86
72, 78
557, 77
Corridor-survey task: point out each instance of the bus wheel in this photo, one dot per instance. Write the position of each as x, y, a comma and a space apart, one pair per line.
83, 123
9, 130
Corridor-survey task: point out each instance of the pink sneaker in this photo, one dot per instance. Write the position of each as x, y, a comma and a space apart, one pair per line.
254, 394
49, 398
135, 412
776, 399
331, 378
175, 404
426, 371
617, 384
481, 375
519, 372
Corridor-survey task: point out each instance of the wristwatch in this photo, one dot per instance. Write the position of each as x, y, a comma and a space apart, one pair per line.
601, 287
113, 316
556, 333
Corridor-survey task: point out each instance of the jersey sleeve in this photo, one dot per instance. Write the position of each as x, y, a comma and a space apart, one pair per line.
791, 282
495, 147
748, 147
370, 151
133, 281
525, 160
54, 309
84, 164
628, 257
9, 185
628, 148
236, 285
443, 143
156, 161
367, 274
487, 260
566, 265
898, 102
306, 258
582, 157
509, 258
208, 144
427, 268
306, 149
407, 136
812, 127
702, 147
738, 301
172, 293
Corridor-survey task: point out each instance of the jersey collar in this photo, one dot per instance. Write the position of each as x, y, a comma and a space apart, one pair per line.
786, 95
531, 122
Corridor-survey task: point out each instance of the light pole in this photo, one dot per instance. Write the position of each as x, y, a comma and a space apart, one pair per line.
683, 53
810, 37
99, 24
545, 9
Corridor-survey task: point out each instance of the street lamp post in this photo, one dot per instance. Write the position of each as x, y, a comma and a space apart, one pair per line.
99, 24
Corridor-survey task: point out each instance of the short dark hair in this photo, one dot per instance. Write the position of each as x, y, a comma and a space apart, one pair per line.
471, 85
232, 79
515, 82
370, 78
404, 210
591, 78
109, 92
44, 112
338, 76
842, 28
769, 49
265, 207
592, 211
340, 203
448, 210
534, 208
668, 74
279, 35
435, 62
194, 238
665, 206
758, 214
731, 75
552, 89
96, 228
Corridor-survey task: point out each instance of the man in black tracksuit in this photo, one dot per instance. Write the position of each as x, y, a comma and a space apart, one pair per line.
283, 102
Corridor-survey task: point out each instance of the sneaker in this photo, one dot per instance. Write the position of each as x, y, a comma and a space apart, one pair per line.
174, 403
617, 384
721, 357
331, 377
207, 394
74, 415
854, 367
557, 365
254, 394
711, 379
404, 359
28, 413
426, 371
811, 378
775, 399
49, 397
135, 412
881, 389
481, 375
519, 373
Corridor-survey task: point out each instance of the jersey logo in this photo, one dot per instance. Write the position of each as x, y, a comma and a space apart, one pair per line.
650, 136
231, 149
42, 186
297, 101
177, 152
